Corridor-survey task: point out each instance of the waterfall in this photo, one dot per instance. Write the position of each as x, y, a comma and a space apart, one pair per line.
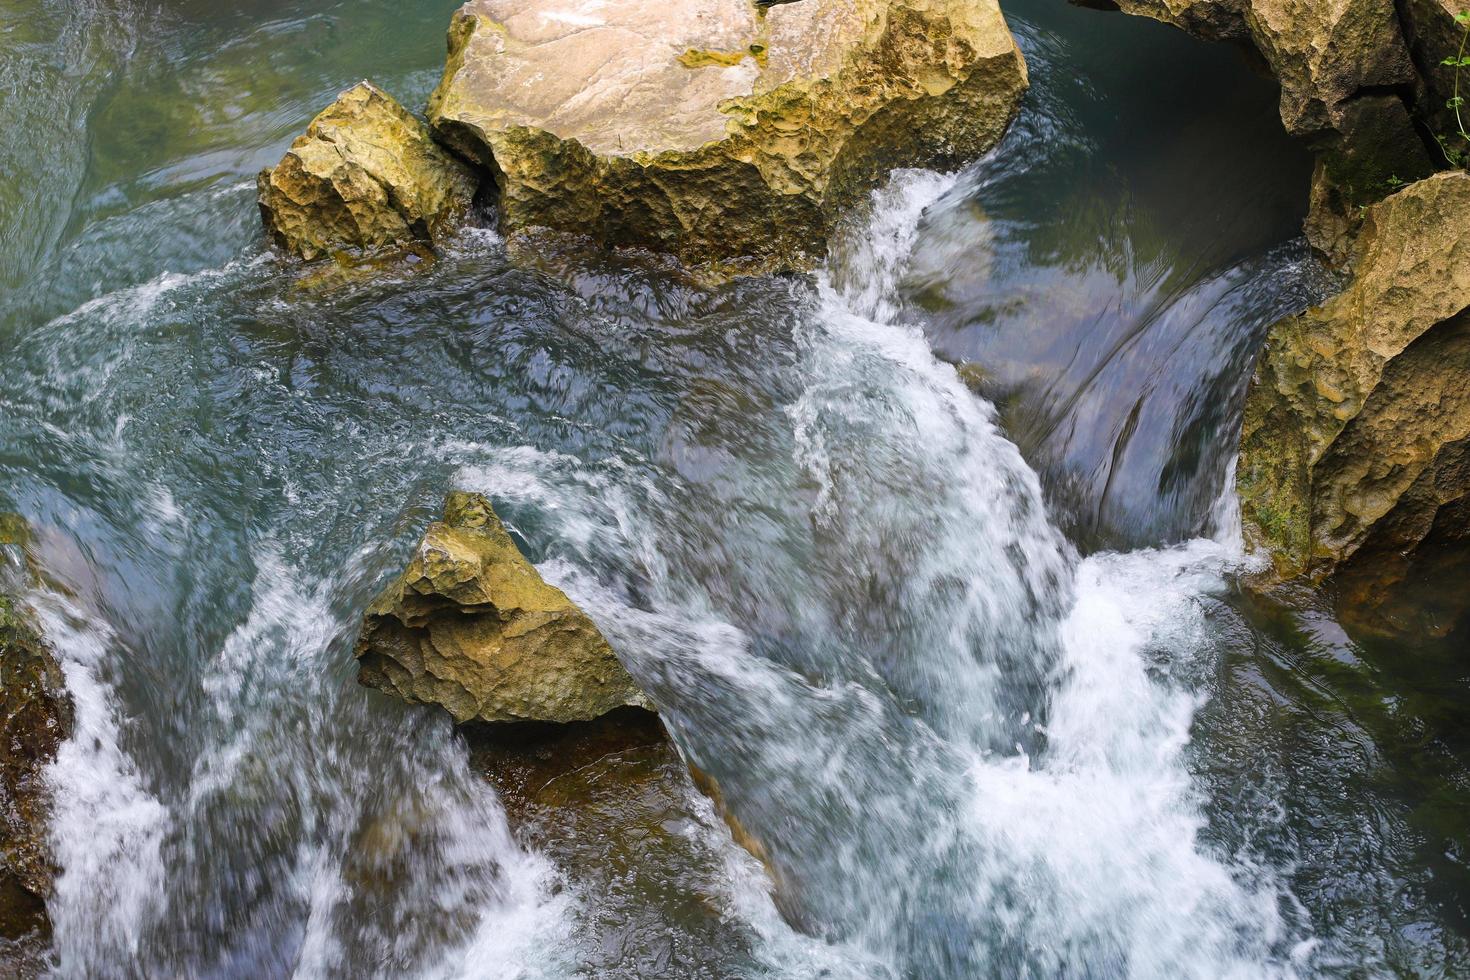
967, 756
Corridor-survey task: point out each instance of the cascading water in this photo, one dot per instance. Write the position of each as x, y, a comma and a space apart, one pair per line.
965, 745
969, 740
307, 838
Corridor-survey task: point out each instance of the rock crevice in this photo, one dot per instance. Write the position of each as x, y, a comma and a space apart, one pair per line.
1361, 83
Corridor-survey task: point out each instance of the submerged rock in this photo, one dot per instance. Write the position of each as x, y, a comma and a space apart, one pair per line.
1356, 442
718, 130
365, 175
35, 717
611, 802
472, 626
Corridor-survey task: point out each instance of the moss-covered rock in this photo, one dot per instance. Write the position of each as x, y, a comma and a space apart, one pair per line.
723, 131
472, 626
364, 175
35, 717
1357, 424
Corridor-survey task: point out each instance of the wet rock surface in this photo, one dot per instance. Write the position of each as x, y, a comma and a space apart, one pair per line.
1357, 425
723, 132
364, 175
472, 626
613, 805
35, 717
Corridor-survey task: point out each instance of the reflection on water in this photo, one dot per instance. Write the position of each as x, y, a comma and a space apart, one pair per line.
1111, 269
969, 742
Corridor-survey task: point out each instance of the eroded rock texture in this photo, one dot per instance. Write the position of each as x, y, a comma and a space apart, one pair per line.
718, 130
364, 175
472, 626
1358, 421
35, 717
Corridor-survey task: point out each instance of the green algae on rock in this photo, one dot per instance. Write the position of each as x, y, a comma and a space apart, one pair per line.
366, 174
724, 132
35, 717
1356, 440
472, 626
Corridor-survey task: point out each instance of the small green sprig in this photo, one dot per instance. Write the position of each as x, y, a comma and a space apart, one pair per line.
1458, 157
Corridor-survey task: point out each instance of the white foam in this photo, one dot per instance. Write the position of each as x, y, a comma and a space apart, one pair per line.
1080, 848
280, 734
107, 828
282, 652
1102, 832
1107, 822
133, 304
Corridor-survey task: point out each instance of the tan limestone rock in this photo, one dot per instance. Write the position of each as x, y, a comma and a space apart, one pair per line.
364, 175
472, 626
718, 130
1357, 426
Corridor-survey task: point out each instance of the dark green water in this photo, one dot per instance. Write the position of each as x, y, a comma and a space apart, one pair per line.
877, 609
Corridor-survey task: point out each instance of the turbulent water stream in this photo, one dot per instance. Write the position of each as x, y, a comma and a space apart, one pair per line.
962, 646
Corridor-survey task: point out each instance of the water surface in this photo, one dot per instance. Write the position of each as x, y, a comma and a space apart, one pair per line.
976, 671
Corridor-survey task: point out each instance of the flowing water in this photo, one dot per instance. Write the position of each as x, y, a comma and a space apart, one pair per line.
972, 668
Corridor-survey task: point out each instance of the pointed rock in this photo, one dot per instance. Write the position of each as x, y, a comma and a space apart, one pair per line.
472, 626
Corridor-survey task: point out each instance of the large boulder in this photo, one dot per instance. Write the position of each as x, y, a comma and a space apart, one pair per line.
364, 175
1356, 443
472, 626
35, 717
718, 130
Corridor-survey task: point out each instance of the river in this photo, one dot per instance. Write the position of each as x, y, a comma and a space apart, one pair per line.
930, 558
